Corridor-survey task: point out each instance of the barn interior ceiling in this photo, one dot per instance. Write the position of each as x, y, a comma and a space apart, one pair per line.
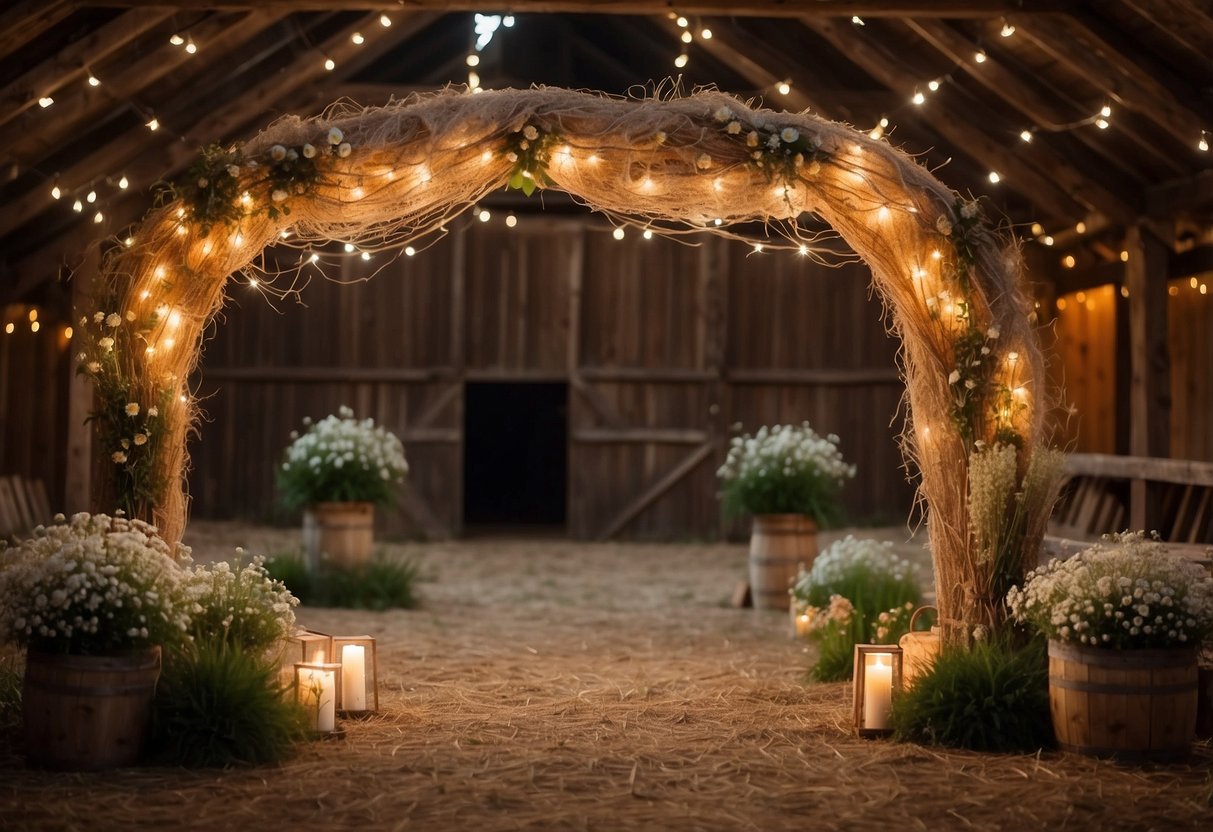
1077, 119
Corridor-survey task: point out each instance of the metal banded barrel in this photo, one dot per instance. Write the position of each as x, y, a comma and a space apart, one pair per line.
779, 543
342, 534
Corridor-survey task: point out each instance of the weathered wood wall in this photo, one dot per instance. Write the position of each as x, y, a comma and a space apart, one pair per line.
664, 347
1084, 364
1190, 342
34, 372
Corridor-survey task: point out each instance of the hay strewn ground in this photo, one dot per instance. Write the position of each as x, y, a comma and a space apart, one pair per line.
553, 685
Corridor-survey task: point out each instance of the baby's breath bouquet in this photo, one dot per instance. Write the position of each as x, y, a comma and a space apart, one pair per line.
341, 459
93, 585
239, 606
1125, 593
785, 469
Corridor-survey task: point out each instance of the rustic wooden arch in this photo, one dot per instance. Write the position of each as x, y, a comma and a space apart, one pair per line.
396, 174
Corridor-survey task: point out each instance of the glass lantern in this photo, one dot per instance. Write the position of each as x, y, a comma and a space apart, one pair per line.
359, 693
877, 676
316, 687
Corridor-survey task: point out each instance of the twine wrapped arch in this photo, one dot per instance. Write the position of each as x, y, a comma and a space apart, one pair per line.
411, 166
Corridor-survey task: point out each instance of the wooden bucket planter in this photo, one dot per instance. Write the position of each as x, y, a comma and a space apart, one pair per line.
84, 713
341, 534
779, 543
1136, 705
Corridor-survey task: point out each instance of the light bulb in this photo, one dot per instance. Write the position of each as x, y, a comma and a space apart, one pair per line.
77, 206
1007, 30
93, 80
357, 38
473, 59
683, 22
980, 57
154, 124
473, 79
857, 20
511, 220
330, 64
648, 234
784, 88
91, 198
1080, 227
618, 233
98, 217
484, 215
933, 85
191, 47
1101, 123
385, 21
366, 255
995, 178
1026, 135
409, 251
706, 34
918, 98
45, 101
681, 60
55, 192
176, 40
124, 183
687, 37
1106, 111
1203, 144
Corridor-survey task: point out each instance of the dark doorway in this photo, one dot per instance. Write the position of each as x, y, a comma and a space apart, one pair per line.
515, 456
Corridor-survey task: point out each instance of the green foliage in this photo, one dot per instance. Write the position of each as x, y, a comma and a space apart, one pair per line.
217, 706
991, 697
530, 150
241, 607
211, 188
858, 591
10, 693
380, 584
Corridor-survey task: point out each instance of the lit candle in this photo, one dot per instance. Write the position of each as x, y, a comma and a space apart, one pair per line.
317, 693
353, 677
802, 624
877, 690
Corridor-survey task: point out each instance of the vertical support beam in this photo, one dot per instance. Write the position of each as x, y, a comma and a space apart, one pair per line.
457, 360
1150, 365
78, 481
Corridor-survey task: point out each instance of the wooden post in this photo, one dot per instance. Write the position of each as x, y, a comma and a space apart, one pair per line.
1150, 380
78, 480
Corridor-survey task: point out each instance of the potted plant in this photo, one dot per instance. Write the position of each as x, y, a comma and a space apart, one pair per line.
336, 471
93, 600
788, 477
1124, 620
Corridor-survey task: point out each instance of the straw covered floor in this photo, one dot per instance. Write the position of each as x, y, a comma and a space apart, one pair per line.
559, 685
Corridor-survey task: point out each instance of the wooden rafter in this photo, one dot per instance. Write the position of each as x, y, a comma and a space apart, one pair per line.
1043, 187
24, 21
751, 8
1114, 68
73, 62
999, 78
28, 141
1180, 21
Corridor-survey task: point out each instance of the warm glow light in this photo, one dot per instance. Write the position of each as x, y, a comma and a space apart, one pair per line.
55, 192
1193, 282
366, 255
980, 57
1007, 30
91, 198
1203, 144
1101, 123
206, 247
1061, 304
1068, 261
1081, 228
933, 85
687, 37
176, 40
1026, 135
124, 183
1204, 289
804, 250
158, 273
33, 315
35, 326
936, 254
349, 248
1124, 257
1172, 290
98, 217
181, 231
45, 101
883, 213
154, 124
1012, 357
1081, 297
918, 98
357, 38
9, 328
1124, 291
682, 22
617, 233
409, 251
77, 206
1106, 111
330, 64
511, 220
757, 248
1047, 239
144, 295
473, 59
995, 177
313, 258
706, 34
784, 87
1037, 229
1020, 391
93, 80
681, 60
473, 79
191, 47
385, 21
484, 216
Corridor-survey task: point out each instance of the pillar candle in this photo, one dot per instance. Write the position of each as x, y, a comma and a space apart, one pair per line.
877, 690
317, 692
353, 677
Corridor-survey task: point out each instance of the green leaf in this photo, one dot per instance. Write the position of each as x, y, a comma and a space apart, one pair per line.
528, 186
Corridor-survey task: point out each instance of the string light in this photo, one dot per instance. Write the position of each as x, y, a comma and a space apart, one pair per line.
77, 206
45, 101
93, 80
511, 220
124, 183
1124, 257
366, 255
681, 60
9, 327
357, 39
409, 251
1203, 144
995, 177
385, 21
1026, 135
933, 84
1068, 261
682, 22
980, 57
648, 234
918, 98
1081, 227
784, 87
153, 124
473, 59
35, 326
484, 215
176, 39
91, 198
1047, 239
56, 192
706, 34
618, 233
330, 64
98, 217
190, 46
687, 37
1007, 29
857, 20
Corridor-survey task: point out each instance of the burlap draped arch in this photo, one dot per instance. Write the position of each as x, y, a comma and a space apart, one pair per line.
412, 165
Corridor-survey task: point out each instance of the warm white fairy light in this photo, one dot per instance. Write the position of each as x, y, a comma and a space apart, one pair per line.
45, 101
77, 206
682, 22
484, 215
1026, 135
1080, 227
246, 198
980, 57
409, 251
385, 21
1101, 123
190, 46
145, 294
933, 84
648, 234
706, 34
1068, 261
995, 177
176, 39
936, 254
1203, 143
618, 233
93, 80
857, 20
473, 79
349, 248
330, 64
804, 250
687, 37
1007, 30
153, 124
681, 60
56, 192
473, 59
158, 273
918, 97
315, 257
1047, 239
758, 248
1106, 111
366, 255
98, 217
357, 39
124, 183
91, 197
511, 220
784, 87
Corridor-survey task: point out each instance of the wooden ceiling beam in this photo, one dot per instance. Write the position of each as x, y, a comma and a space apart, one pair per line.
1114, 69
28, 143
26, 20
730, 8
73, 63
1191, 193
168, 160
1043, 188
1031, 100
1182, 25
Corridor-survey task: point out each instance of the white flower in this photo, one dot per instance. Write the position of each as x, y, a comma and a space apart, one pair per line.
130, 315
511, 157
279, 195
954, 377
992, 333
970, 384
309, 151
529, 132
233, 171
335, 136
132, 408
734, 128
140, 438
660, 137
344, 149
98, 317
94, 366
751, 139
118, 457
277, 153
789, 134
703, 161
113, 320
724, 114
153, 411
105, 343
969, 210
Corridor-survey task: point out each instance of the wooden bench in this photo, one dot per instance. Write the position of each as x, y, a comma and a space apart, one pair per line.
1105, 493
23, 505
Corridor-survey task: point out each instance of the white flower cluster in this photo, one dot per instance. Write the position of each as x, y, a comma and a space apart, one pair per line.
90, 585
1129, 594
769, 144
341, 458
786, 450
241, 606
844, 557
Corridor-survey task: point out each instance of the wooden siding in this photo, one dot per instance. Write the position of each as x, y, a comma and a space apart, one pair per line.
34, 372
1085, 365
664, 346
1190, 344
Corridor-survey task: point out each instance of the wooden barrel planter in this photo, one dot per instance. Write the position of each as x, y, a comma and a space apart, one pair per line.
339, 533
1135, 705
84, 713
779, 543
